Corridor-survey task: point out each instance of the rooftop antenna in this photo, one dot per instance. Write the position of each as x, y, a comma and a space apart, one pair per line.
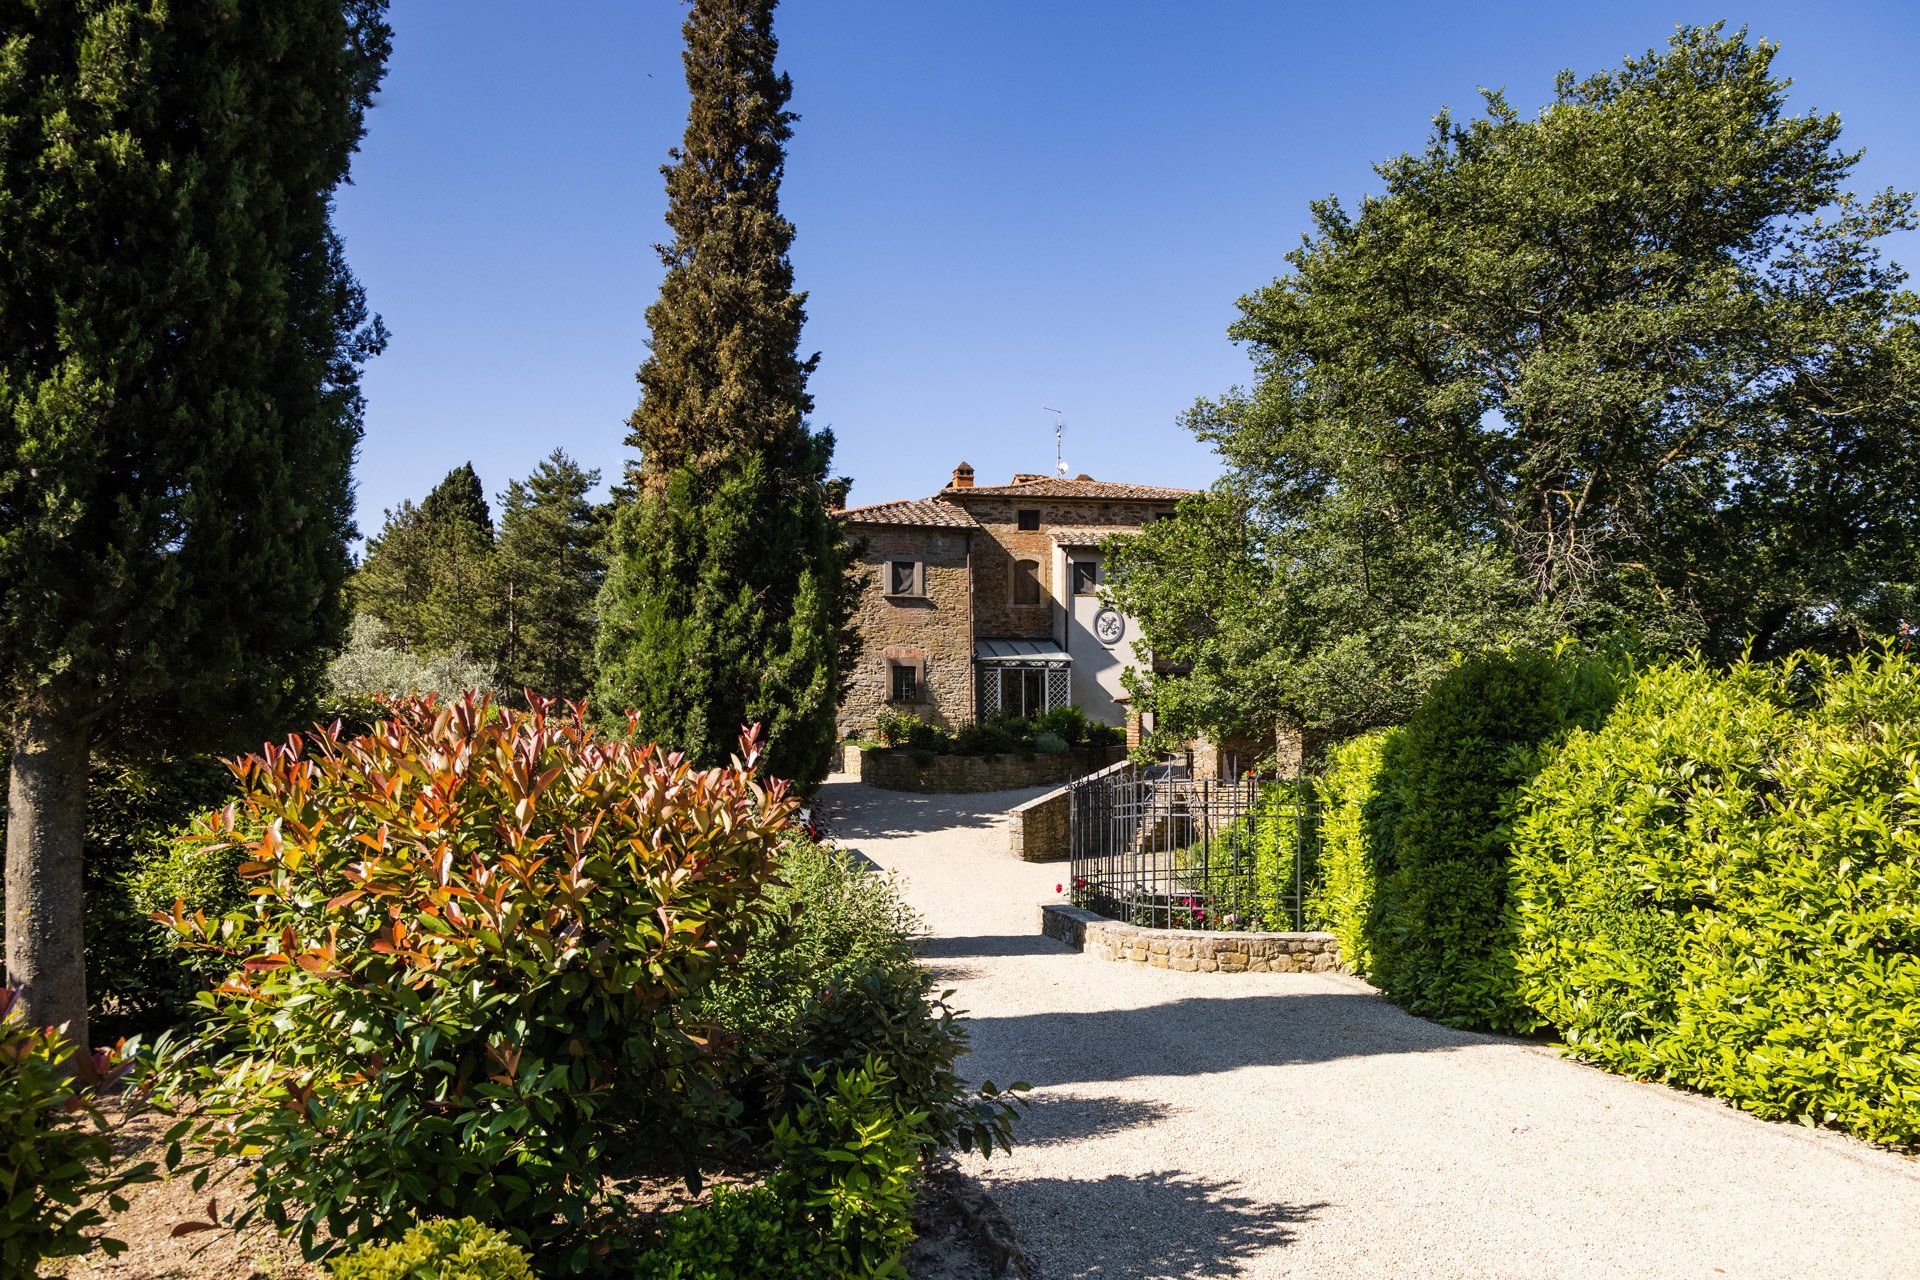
1059, 429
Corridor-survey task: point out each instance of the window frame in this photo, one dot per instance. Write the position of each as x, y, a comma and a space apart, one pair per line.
1026, 519
1092, 570
919, 577
916, 685
1016, 578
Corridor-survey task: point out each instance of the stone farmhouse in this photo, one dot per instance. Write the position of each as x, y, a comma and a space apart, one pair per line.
985, 599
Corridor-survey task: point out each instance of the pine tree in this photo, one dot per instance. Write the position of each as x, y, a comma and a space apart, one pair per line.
430, 577
550, 571
727, 598
180, 343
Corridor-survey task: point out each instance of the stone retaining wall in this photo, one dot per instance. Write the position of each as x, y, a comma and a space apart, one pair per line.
896, 769
1190, 950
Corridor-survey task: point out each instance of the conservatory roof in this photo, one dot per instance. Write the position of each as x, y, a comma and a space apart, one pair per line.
1020, 653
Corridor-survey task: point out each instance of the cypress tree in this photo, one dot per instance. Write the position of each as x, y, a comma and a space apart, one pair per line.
180, 342
430, 576
550, 574
727, 597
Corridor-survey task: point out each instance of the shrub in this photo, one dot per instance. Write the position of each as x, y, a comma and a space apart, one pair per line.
57, 1163
443, 1249
1050, 744
1437, 940
900, 729
831, 979
838, 1207
465, 974
1350, 793
1720, 888
372, 666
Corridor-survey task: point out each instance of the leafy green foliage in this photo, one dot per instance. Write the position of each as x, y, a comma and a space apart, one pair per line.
57, 1165
1352, 793
830, 980
1438, 940
550, 570
1062, 729
372, 666
466, 971
729, 588
1718, 887
1636, 364
838, 1207
1243, 878
444, 1249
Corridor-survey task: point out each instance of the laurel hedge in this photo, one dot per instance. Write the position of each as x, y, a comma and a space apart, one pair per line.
1714, 883
1720, 888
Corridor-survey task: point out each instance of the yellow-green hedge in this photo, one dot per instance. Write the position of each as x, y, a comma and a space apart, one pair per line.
1720, 887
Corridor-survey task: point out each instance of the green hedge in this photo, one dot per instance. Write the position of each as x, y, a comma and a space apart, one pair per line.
1435, 932
1720, 888
1713, 882
1351, 793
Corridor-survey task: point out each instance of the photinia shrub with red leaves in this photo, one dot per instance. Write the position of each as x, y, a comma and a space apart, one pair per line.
465, 980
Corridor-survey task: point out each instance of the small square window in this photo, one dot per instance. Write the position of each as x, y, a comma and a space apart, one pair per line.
1086, 577
1027, 520
903, 577
906, 683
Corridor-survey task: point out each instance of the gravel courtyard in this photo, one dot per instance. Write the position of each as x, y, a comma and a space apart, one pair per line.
1207, 1125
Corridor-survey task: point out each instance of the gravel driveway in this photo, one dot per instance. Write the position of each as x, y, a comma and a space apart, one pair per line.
1203, 1125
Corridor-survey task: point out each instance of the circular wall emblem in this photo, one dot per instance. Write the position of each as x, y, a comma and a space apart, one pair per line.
1109, 626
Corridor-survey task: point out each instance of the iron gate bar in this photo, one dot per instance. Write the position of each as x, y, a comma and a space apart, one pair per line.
1161, 849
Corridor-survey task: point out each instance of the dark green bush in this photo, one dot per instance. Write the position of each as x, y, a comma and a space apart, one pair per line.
1437, 940
1062, 729
57, 1164
443, 1249
838, 1206
1720, 887
831, 980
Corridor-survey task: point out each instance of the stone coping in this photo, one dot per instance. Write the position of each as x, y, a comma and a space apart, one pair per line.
903, 769
1190, 950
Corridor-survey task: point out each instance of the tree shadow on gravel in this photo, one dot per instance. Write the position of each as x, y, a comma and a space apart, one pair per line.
1203, 1035
988, 945
1052, 1118
1156, 1226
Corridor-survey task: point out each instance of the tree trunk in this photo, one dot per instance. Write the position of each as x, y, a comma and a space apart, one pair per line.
46, 831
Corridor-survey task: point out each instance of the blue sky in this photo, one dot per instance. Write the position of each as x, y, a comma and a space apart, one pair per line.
1000, 206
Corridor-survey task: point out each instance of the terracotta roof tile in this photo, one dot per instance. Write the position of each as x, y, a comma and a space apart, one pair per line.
1083, 487
1089, 535
931, 513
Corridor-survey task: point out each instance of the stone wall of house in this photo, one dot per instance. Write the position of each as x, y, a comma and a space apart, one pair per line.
1004, 542
1191, 950
934, 631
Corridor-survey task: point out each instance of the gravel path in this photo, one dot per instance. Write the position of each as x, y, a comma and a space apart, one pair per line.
1208, 1125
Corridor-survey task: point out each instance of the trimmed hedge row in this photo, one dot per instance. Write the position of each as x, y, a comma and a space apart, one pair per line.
1714, 882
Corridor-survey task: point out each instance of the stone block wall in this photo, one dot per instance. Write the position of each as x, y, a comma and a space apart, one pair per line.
934, 631
899, 770
1038, 831
1190, 950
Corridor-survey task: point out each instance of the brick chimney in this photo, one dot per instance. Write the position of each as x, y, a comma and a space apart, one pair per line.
962, 477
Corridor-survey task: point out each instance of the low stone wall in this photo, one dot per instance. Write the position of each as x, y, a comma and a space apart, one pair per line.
896, 769
1041, 830
1190, 950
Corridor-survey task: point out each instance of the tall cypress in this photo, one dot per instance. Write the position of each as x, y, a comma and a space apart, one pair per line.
180, 343
727, 596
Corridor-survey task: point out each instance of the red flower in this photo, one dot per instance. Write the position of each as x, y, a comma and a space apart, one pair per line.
1059, 888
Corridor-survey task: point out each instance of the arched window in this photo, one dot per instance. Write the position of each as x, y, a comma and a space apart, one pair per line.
1026, 582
